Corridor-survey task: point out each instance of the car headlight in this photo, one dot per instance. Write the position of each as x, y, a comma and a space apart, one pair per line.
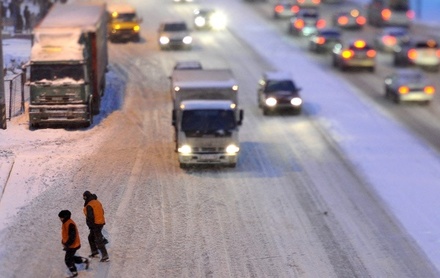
218, 21
271, 101
185, 149
200, 21
296, 101
164, 40
232, 149
187, 40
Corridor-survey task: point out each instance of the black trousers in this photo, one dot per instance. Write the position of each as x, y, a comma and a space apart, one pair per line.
70, 259
96, 240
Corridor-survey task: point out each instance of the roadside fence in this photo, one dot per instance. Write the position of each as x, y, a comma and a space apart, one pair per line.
15, 94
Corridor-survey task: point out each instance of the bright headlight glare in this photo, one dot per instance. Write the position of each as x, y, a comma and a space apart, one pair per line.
137, 28
296, 101
185, 149
232, 149
164, 40
200, 21
187, 40
218, 21
271, 101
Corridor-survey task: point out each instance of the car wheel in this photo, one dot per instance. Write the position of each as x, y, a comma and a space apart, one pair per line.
265, 111
371, 69
396, 99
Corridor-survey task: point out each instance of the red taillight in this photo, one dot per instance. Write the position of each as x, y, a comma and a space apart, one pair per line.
371, 53
403, 90
437, 53
389, 40
430, 90
316, 2
361, 20
321, 23
320, 40
386, 14
410, 14
347, 54
300, 1
279, 8
299, 24
294, 9
412, 54
342, 20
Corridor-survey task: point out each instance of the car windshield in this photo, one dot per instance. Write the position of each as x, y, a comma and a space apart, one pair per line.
175, 27
127, 17
399, 5
198, 122
283, 85
330, 33
411, 77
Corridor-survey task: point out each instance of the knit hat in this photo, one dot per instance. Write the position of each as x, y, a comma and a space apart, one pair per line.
64, 214
87, 194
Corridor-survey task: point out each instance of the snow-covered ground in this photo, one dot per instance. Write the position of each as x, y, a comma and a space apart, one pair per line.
406, 175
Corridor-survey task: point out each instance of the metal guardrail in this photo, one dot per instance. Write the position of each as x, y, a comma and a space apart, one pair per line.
15, 94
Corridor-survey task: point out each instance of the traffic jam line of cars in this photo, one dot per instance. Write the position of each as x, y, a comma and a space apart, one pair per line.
410, 54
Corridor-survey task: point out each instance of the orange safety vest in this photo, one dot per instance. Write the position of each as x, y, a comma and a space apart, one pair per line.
98, 211
65, 234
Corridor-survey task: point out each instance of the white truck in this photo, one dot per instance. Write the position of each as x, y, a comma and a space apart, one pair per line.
206, 117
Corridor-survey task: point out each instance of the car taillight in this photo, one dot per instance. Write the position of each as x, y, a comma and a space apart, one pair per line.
300, 1
403, 90
347, 54
320, 24
386, 14
279, 8
359, 44
410, 14
320, 40
342, 20
361, 20
371, 53
430, 90
412, 54
316, 2
299, 24
294, 9
437, 53
389, 40
354, 13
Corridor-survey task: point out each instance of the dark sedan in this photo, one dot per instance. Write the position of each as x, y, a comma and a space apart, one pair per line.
324, 40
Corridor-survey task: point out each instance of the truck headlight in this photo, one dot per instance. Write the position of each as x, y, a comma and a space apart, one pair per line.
271, 101
296, 101
187, 40
164, 40
137, 28
185, 149
232, 149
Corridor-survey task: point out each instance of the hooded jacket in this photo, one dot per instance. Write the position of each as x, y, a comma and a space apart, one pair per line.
93, 210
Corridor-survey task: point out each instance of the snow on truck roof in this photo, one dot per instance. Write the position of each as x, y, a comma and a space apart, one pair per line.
86, 16
221, 78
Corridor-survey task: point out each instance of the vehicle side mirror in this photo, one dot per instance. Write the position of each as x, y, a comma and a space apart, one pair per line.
173, 117
240, 116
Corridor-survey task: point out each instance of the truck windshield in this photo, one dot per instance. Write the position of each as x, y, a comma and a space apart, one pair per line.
199, 122
56, 72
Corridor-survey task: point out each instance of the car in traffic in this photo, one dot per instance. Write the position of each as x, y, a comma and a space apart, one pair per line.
424, 53
209, 19
352, 19
381, 13
306, 22
409, 85
324, 40
284, 9
183, 1
124, 23
308, 3
391, 37
174, 34
277, 92
354, 54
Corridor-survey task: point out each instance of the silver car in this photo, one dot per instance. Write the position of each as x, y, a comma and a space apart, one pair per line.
174, 34
409, 85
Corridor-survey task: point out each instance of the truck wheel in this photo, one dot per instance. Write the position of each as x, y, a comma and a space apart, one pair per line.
183, 165
96, 105
232, 165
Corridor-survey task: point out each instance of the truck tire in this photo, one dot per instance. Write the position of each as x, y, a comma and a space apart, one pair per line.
96, 106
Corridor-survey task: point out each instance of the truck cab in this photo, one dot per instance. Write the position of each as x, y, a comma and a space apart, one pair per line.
124, 23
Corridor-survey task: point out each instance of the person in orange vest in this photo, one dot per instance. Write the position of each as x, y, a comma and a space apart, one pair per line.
71, 242
95, 220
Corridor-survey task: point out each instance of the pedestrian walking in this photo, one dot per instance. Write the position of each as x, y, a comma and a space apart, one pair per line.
27, 18
71, 243
95, 220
